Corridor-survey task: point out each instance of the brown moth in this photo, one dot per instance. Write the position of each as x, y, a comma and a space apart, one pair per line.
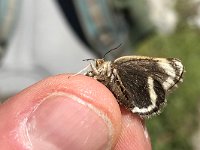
139, 83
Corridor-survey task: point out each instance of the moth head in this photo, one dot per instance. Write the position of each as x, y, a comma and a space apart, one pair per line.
99, 62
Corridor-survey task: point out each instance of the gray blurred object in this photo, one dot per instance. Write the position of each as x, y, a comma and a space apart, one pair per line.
103, 26
18, 67
162, 15
137, 16
147, 16
40, 40
9, 10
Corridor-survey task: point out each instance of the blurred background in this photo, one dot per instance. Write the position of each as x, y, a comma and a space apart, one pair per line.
43, 38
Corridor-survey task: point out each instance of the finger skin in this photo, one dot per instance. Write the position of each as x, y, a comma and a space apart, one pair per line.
134, 135
17, 109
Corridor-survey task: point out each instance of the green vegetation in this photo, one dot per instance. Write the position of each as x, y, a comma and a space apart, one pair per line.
172, 130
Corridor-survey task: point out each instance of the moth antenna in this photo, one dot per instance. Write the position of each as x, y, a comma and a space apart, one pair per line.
88, 59
111, 50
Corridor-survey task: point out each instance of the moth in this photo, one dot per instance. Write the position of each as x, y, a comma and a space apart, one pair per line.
139, 83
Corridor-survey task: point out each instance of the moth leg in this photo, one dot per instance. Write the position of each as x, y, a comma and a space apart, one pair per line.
109, 70
90, 74
118, 78
94, 69
118, 93
85, 68
112, 77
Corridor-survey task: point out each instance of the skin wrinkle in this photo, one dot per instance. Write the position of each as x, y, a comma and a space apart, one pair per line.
21, 134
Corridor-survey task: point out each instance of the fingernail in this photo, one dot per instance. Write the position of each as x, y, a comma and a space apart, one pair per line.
67, 122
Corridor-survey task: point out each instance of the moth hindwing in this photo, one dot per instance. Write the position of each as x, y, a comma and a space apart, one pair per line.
139, 83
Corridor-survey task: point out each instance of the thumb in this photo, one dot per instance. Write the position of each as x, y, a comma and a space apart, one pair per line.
61, 113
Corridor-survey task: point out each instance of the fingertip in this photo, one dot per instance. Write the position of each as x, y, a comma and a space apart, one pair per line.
89, 91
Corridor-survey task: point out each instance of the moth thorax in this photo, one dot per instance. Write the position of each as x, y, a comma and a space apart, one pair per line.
103, 67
